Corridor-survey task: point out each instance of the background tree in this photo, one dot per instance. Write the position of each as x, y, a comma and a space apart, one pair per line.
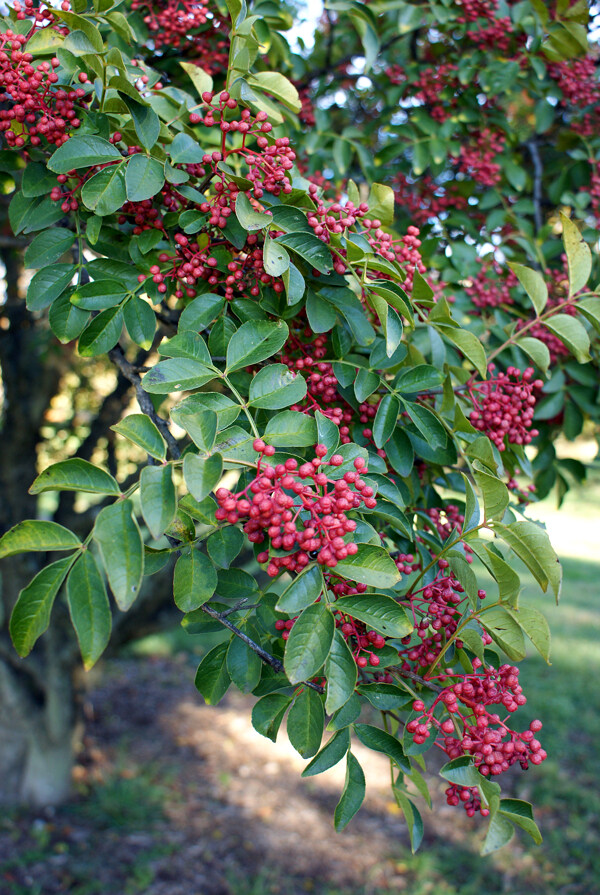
197, 224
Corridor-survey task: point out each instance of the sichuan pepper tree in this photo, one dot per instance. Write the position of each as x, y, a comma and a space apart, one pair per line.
334, 487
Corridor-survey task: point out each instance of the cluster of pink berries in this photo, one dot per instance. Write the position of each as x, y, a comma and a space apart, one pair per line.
424, 199
308, 520
194, 26
504, 406
34, 106
491, 287
437, 610
477, 161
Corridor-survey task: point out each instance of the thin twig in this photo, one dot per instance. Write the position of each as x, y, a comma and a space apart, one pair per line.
266, 657
129, 371
538, 175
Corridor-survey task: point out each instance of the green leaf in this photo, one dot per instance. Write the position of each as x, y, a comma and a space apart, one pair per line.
370, 565
381, 203
122, 550
31, 614
275, 386
505, 631
140, 321
385, 419
140, 429
105, 193
255, 341
277, 85
468, 343
400, 452
428, 424
341, 673
102, 333
389, 318
291, 429
536, 350
194, 580
224, 545
347, 713
147, 128
201, 425
176, 374
249, 218
531, 544
184, 150
377, 611
98, 294
579, 257
521, 814
461, 772
48, 246
571, 333
534, 624
499, 833
82, 151
37, 535
158, 500
353, 794
243, 664
534, 285
66, 321
365, 383
202, 474
412, 816
212, 678
331, 753
304, 590
89, 608
200, 312
201, 80
268, 712
421, 378
75, 475
309, 643
186, 344
144, 177
309, 247
381, 741
275, 258
305, 722
495, 493
48, 284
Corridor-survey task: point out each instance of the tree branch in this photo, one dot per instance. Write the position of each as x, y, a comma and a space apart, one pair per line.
538, 174
266, 657
130, 372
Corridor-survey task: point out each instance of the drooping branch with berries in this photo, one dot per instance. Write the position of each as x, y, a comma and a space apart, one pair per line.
343, 398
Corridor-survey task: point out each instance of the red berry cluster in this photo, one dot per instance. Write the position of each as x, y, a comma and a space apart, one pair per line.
36, 107
438, 88
472, 729
498, 35
469, 796
504, 406
477, 161
491, 287
578, 80
437, 610
171, 21
476, 9
424, 199
308, 520
448, 521
193, 26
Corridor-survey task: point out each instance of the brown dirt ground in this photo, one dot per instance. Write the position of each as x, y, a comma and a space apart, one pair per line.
179, 798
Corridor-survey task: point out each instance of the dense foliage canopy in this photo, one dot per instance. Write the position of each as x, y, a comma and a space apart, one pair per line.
348, 260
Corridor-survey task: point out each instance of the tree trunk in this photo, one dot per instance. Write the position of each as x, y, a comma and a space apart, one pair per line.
38, 707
